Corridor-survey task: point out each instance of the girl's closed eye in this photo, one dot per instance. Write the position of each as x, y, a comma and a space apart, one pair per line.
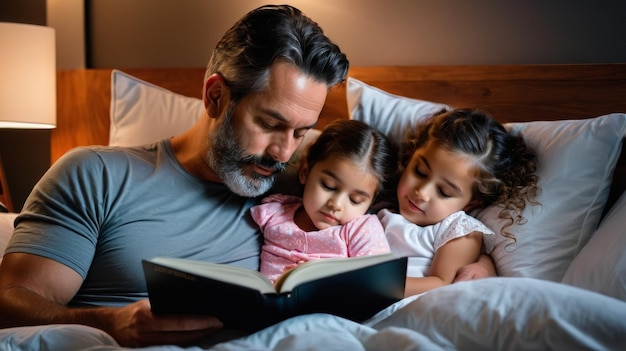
356, 201
328, 186
444, 193
419, 173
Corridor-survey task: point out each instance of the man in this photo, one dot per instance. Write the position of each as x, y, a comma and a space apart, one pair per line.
99, 211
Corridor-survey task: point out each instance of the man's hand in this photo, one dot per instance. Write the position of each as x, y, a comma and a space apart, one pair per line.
34, 290
135, 325
482, 268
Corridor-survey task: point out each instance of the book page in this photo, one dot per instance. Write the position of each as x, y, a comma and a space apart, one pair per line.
222, 272
324, 267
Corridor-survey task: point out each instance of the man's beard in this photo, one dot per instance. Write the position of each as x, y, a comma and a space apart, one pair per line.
227, 159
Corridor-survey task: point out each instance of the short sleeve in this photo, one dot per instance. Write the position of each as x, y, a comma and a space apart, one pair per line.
460, 224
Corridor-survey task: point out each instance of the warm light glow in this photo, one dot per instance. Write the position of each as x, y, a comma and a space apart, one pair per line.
27, 76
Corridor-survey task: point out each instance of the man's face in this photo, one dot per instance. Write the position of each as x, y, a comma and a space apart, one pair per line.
259, 134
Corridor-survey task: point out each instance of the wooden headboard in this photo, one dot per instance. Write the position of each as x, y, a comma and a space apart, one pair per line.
512, 93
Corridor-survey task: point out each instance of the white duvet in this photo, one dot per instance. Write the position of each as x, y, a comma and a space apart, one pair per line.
489, 314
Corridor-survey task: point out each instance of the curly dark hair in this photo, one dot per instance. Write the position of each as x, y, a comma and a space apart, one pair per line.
505, 165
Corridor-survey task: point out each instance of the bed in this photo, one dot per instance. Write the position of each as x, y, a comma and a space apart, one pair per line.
562, 285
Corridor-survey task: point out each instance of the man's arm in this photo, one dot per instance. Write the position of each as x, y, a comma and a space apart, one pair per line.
35, 290
484, 267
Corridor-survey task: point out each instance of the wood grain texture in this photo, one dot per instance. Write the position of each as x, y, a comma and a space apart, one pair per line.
83, 98
512, 93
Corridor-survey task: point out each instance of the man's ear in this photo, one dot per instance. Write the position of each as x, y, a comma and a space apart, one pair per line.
216, 95
303, 172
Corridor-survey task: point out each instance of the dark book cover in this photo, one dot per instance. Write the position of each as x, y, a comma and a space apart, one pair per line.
355, 295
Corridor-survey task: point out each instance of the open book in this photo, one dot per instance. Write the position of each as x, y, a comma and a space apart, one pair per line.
355, 288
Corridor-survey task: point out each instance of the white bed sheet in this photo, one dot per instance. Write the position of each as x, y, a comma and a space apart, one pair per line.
489, 314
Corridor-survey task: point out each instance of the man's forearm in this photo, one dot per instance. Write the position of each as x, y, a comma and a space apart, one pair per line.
21, 307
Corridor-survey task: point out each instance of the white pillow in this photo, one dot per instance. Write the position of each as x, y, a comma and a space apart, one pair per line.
142, 113
577, 158
391, 114
601, 265
576, 162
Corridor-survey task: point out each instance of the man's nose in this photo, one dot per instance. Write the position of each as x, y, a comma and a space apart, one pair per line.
283, 147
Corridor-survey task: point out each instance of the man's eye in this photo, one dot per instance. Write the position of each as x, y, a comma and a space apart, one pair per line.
268, 126
299, 134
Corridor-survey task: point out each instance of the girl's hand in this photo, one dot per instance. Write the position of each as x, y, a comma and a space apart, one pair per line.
482, 268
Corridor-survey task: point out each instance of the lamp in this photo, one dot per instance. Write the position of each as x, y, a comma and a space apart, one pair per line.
27, 82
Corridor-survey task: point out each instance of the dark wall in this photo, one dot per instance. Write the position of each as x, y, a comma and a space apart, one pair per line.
182, 33
23, 11
25, 153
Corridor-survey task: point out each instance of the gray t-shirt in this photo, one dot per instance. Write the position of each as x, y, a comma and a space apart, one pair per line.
100, 210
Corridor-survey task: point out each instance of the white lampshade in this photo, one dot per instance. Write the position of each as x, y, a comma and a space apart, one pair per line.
27, 76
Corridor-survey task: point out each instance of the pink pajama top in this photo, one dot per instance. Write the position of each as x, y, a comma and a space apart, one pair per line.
286, 245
